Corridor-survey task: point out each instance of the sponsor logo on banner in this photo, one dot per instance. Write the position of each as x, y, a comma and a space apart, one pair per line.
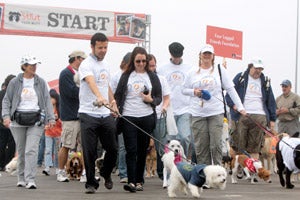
226, 42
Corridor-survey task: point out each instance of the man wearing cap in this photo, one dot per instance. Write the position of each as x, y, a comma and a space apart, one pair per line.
288, 109
69, 105
175, 71
256, 94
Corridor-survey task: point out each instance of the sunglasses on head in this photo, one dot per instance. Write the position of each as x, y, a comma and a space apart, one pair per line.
139, 61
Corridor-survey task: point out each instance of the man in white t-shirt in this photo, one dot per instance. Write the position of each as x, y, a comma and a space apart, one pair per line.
255, 92
175, 71
96, 121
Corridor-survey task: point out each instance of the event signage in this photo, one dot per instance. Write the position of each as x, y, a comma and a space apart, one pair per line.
227, 43
71, 23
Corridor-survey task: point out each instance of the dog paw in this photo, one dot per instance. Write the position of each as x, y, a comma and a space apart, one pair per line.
196, 196
172, 195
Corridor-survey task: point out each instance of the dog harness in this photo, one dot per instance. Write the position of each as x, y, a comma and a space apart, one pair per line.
287, 146
193, 174
249, 164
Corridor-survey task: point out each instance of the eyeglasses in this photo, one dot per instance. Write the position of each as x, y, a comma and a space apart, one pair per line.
139, 61
284, 86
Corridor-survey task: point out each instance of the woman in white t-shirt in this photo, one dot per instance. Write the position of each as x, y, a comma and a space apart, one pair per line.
204, 85
26, 109
137, 94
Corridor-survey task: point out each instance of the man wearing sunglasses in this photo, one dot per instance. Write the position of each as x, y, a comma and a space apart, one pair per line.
288, 109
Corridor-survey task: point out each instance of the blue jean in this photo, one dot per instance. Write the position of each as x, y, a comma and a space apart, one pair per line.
160, 134
51, 151
122, 157
41, 150
184, 135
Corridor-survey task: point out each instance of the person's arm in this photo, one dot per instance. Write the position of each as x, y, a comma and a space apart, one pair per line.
90, 80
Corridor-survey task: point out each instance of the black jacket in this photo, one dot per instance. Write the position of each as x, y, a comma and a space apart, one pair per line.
121, 91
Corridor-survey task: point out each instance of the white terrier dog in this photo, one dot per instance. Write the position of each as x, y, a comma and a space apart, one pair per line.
187, 176
173, 153
12, 166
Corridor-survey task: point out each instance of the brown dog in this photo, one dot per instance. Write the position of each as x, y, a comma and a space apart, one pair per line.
268, 153
151, 160
251, 167
74, 166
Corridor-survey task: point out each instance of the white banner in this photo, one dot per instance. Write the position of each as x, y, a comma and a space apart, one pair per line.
66, 22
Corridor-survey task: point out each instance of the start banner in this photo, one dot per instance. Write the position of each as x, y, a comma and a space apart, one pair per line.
226, 42
71, 23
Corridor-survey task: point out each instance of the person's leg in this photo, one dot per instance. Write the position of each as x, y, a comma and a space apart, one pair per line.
3, 143
48, 155
109, 144
160, 134
130, 141
19, 134
256, 136
89, 142
33, 136
11, 148
147, 124
201, 138
122, 158
215, 127
41, 150
183, 123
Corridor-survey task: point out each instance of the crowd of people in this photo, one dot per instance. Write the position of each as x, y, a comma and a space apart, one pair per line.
123, 111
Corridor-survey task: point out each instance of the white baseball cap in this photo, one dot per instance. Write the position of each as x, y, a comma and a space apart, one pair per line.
29, 59
257, 63
207, 48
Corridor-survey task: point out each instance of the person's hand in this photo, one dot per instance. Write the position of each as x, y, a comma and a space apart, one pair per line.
114, 108
147, 97
197, 92
272, 126
243, 112
101, 101
6, 122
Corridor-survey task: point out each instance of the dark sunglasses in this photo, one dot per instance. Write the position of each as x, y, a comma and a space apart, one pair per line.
139, 61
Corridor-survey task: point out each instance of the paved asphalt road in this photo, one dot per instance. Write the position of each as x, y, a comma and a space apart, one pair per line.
49, 188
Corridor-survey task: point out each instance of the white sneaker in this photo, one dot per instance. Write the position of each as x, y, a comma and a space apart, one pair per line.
31, 185
21, 184
61, 177
83, 178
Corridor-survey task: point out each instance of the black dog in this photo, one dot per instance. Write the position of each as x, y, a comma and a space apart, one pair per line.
284, 146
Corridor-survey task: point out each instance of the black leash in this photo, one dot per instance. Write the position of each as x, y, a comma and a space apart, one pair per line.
133, 124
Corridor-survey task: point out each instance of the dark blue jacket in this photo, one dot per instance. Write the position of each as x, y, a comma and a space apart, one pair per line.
193, 174
269, 103
69, 96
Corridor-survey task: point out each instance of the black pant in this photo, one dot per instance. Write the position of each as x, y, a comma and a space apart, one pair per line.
7, 146
93, 129
136, 144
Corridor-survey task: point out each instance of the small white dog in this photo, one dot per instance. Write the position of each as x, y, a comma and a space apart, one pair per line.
12, 166
187, 176
173, 153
